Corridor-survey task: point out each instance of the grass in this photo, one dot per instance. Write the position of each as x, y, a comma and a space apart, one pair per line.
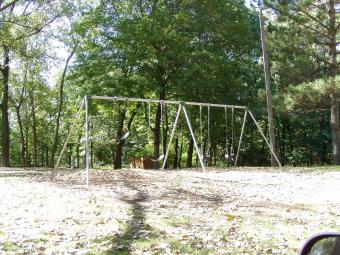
327, 167
10, 246
190, 248
2, 233
149, 238
179, 222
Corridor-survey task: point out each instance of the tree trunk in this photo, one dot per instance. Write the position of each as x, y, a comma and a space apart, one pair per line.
157, 130
17, 108
91, 153
78, 151
4, 108
60, 108
165, 134
335, 128
46, 158
290, 136
175, 163
121, 144
22, 138
34, 128
283, 140
190, 153
334, 100
268, 90
42, 155
27, 156
119, 148
180, 154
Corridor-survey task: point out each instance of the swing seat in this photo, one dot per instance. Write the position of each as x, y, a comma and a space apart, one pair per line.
125, 136
83, 139
160, 158
229, 157
207, 157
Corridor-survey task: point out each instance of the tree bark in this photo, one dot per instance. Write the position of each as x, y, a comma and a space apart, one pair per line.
121, 144
334, 100
22, 139
60, 108
283, 140
119, 148
46, 151
268, 90
190, 153
42, 155
27, 156
91, 154
78, 151
157, 130
335, 129
4, 109
17, 107
175, 163
34, 128
180, 154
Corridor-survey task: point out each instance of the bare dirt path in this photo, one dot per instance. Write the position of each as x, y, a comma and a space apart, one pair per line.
239, 211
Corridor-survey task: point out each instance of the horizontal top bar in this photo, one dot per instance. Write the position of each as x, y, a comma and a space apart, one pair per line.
127, 99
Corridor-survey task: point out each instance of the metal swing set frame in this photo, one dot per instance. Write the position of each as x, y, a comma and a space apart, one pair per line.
181, 108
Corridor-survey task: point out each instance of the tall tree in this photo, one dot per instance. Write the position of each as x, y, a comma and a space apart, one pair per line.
169, 50
19, 21
318, 23
268, 89
60, 104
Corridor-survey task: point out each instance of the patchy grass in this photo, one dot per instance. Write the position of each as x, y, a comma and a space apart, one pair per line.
239, 211
10, 246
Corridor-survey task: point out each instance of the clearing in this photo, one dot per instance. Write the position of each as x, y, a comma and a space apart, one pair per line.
234, 211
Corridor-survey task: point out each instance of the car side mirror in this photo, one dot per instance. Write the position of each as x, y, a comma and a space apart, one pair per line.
322, 244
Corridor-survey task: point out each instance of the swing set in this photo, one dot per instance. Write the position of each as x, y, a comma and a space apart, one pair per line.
230, 154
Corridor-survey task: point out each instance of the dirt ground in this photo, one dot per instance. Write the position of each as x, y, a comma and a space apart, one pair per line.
234, 211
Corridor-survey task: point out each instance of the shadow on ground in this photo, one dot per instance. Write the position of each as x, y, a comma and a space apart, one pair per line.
135, 229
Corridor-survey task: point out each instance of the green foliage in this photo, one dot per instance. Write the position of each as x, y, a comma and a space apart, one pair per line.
192, 50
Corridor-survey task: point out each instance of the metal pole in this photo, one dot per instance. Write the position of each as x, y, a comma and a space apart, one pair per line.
241, 136
87, 163
68, 138
157, 101
172, 136
268, 89
259, 128
193, 138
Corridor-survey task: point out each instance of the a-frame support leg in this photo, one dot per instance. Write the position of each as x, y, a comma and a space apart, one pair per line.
68, 138
241, 136
194, 139
172, 136
180, 108
264, 137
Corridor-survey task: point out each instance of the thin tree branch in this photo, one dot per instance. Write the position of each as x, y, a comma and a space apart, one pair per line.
8, 5
18, 24
295, 20
36, 30
310, 16
27, 5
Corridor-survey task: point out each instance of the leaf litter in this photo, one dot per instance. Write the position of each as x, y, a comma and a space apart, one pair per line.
234, 211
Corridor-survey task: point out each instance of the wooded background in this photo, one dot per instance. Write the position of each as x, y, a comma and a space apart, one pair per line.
190, 50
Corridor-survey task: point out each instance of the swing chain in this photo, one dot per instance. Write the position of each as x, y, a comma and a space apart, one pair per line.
232, 130
226, 128
149, 121
201, 129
